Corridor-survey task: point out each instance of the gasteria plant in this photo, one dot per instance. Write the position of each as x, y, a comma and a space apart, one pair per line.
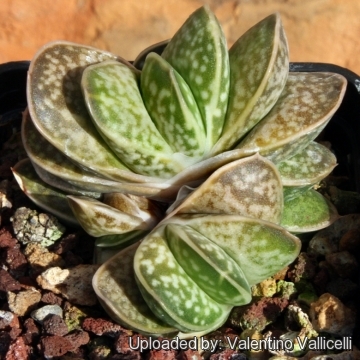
124, 146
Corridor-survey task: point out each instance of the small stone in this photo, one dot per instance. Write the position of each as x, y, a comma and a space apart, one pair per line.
330, 315
75, 284
73, 316
122, 344
41, 313
259, 314
303, 268
102, 327
50, 298
18, 350
54, 346
15, 260
30, 226
78, 338
7, 282
343, 263
24, 301
265, 288
31, 331
285, 289
40, 258
54, 325
164, 355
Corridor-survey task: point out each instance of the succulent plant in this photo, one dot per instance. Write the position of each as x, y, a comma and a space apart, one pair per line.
205, 155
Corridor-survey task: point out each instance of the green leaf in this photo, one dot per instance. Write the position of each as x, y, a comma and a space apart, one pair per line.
198, 52
307, 103
172, 107
42, 194
259, 67
114, 101
259, 247
307, 211
308, 166
249, 187
57, 106
208, 265
170, 293
115, 286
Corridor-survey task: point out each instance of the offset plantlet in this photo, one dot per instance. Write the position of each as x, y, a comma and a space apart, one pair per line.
205, 155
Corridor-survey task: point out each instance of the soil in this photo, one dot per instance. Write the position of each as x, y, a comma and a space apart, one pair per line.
48, 309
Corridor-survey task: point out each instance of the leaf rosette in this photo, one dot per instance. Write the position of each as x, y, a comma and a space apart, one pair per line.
205, 154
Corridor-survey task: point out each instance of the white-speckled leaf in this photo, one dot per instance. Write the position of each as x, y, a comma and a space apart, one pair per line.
260, 248
115, 286
114, 101
308, 166
307, 103
170, 293
99, 219
172, 107
198, 51
249, 187
259, 66
42, 194
208, 265
54, 162
58, 110
307, 211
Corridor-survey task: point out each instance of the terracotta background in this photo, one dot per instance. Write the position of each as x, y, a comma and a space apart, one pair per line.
317, 30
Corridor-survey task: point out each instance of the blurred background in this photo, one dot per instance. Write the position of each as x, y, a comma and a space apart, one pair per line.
317, 30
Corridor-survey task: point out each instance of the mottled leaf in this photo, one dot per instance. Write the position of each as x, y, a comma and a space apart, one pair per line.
308, 166
42, 194
248, 187
198, 51
307, 103
58, 109
172, 107
307, 211
260, 248
115, 286
99, 219
208, 265
170, 293
259, 67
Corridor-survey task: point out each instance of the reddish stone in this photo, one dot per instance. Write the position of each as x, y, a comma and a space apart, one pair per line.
49, 298
52, 346
31, 331
17, 350
101, 327
122, 345
7, 282
16, 261
6, 238
189, 355
162, 354
78, 338
55, 325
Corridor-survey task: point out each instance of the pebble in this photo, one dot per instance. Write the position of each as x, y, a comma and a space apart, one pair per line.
75, 284
30, 226
41, 313
343, 263
18, 350
24, 301
55, 346
329, 314
54, 325
7, 282
40, 258
102, 327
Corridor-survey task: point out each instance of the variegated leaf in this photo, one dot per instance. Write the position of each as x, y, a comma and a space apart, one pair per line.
99, 219
208, 265
172, 107
307, 211
259, 65
115, 286
42, 194
259, 247
308, 166
198, 51
114, 101
248, 187
307, 103
57, 106
170, 293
